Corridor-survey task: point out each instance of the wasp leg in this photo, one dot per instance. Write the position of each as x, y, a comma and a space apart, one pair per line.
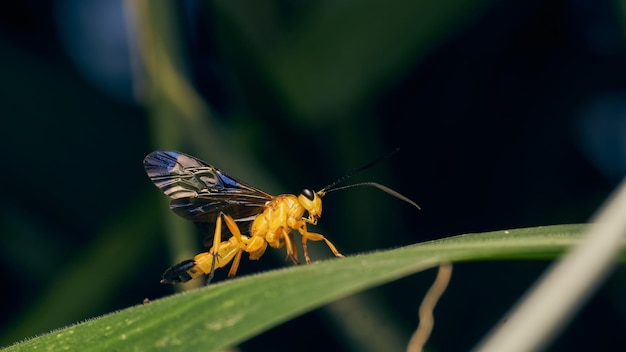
214, 251
191, 269
292, 250
315, 237
254, 245
284, 238
238, 238
234, 229
235, 266
203, 263
219, 255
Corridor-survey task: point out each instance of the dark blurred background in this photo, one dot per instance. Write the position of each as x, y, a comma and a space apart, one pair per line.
507, 115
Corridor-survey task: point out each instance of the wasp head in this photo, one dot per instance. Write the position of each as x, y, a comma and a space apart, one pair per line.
312, 202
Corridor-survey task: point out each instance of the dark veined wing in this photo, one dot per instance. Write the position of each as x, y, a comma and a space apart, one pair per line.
199, 191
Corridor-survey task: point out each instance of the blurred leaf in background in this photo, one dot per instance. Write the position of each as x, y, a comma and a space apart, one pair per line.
507, 115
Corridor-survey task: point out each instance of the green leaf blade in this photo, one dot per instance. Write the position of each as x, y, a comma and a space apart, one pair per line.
229, 312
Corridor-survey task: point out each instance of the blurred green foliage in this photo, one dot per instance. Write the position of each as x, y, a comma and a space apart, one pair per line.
482, 97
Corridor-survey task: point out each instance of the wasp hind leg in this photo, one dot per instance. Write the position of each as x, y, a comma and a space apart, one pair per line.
213, 254
220, 254
254, 245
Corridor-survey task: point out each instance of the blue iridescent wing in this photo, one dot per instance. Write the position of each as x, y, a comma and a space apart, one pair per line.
199, 191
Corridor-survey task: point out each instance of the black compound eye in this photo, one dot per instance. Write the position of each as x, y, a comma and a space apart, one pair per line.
308, 194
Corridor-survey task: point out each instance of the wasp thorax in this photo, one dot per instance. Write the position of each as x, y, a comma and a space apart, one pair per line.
311, 202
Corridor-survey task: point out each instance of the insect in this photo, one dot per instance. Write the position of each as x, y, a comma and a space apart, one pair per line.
202, 193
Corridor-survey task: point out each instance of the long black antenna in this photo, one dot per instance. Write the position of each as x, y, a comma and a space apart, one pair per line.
331, 187
353, 172
382, 188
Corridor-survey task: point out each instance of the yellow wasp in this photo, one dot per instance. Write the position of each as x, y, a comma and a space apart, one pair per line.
201, 193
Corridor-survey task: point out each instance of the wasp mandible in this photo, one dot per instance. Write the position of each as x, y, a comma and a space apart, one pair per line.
202, 193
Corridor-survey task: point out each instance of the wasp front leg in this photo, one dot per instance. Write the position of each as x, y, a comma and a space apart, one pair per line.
294, 249
315, 237
284, 238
